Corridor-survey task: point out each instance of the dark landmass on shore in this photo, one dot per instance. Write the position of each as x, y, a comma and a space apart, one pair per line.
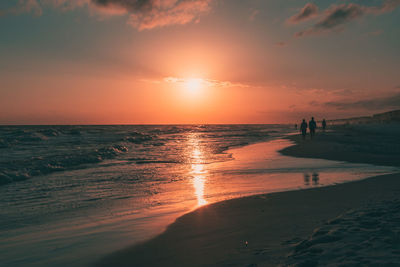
377, 144
392, 116
351, 223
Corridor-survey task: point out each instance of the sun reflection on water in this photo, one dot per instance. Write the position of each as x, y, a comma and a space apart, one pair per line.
199, 174
198, 182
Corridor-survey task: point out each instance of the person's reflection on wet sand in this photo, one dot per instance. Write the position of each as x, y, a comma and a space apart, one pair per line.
306, 179
315, 178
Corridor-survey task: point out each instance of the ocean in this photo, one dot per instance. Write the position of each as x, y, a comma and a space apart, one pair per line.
71, 194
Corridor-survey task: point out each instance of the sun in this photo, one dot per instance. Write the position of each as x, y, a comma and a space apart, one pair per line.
194, 84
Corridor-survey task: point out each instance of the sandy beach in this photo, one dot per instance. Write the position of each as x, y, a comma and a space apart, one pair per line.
376, 144
350, 223
171, 133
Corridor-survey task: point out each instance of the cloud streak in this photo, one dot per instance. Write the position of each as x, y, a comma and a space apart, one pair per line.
205, 82
309, 11
368, 104
336, 16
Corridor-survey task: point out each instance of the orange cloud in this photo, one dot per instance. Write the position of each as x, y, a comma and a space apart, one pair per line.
142, 14
207, 82
149, 14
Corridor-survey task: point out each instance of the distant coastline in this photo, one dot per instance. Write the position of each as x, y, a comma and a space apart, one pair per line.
385, 117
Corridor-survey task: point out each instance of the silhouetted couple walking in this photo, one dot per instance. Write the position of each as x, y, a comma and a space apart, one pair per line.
312, 125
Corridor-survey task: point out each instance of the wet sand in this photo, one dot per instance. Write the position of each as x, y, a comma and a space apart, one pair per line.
328, 225
372, 144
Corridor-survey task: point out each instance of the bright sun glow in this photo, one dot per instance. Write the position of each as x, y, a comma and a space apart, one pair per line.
194, 84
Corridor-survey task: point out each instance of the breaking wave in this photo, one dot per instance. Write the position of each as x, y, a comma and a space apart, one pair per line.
40, 150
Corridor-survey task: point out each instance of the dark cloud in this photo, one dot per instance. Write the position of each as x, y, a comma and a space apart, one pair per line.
333, 18
340, 15
336, 16
148, 14
129, 5
369, 104
309, 11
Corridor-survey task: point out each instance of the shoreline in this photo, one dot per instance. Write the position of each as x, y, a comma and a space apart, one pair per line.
271, 224
216, 234
352, 144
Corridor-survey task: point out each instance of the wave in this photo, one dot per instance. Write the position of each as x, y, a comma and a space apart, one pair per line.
11, 136
39, 150
19, 170
138, 138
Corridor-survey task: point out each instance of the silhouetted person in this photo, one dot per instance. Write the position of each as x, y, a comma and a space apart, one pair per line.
295, 126
303, 128
323, 125
312, 125
306, 179
315, 178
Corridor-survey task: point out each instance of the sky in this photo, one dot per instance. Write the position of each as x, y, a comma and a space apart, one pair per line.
197, 61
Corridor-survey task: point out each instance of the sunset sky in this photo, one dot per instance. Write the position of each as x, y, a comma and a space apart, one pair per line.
196, 61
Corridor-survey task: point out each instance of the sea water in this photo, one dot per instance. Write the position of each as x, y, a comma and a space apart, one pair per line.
71, 194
